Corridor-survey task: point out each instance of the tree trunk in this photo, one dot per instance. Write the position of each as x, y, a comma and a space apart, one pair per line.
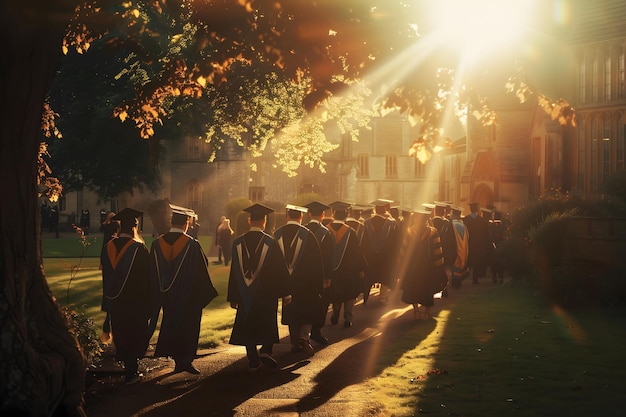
42, 368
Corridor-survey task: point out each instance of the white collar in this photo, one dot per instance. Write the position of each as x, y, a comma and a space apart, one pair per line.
256, 229
176, 230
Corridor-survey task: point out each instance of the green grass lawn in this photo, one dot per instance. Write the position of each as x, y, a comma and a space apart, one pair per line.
502, 351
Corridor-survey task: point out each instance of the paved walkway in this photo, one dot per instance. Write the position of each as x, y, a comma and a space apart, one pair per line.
328, 384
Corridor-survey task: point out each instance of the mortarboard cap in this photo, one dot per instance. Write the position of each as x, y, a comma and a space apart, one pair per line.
128, 216
381, 202
293, 210
421, 212
428, 206
340, 205
296, 208
497, 216
182, 210
473, 207
316, 207
456, 210
258, 211
180, 214
360, 207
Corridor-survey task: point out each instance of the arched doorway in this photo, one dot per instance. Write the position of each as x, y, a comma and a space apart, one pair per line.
483, 195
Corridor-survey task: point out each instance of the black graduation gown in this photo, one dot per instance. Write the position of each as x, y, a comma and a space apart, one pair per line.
126, 276
479, 241
258, 278
181, 286
305, 265
324, 239
424, 273
347, 263
380, 246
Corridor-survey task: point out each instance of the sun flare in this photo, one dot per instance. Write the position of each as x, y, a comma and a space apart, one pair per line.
480, 27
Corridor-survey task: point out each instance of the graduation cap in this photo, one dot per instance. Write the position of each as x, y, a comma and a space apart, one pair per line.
420, 212
182, 210
128, 217
428, 207
381, 202
180, 214
340, 206
497, 216
292, 209
258, 211
296, 208
473, 207
456, 210
316, 207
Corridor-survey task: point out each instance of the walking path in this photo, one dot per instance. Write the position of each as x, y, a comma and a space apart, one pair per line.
331, 383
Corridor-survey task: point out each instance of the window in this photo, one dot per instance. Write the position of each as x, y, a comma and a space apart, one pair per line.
193, 148
582, 82
594, 80
192, 193
391, 166
607, 78
620, 149
256, 194
606, 150
363, 161
62, 203
620, 76
581, 155
596, 139
419, 168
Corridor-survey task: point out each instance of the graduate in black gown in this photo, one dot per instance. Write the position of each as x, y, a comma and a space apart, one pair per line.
181, 287
422, 273
347, 265
126, 277
324, 239
258, 278
305, 265
380, 245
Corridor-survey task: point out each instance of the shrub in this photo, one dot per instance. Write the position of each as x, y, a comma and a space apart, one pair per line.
86, 332
533, 248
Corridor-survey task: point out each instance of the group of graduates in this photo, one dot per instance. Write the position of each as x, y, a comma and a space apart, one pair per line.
327, 262
307, 266
138, 284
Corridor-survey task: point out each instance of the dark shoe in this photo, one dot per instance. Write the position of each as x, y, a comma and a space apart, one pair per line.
187, 368
217, 262
306, 347
320, 339
254, 366
268, 361
347, 323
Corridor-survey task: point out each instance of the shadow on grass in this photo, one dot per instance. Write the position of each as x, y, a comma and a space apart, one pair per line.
505, 351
